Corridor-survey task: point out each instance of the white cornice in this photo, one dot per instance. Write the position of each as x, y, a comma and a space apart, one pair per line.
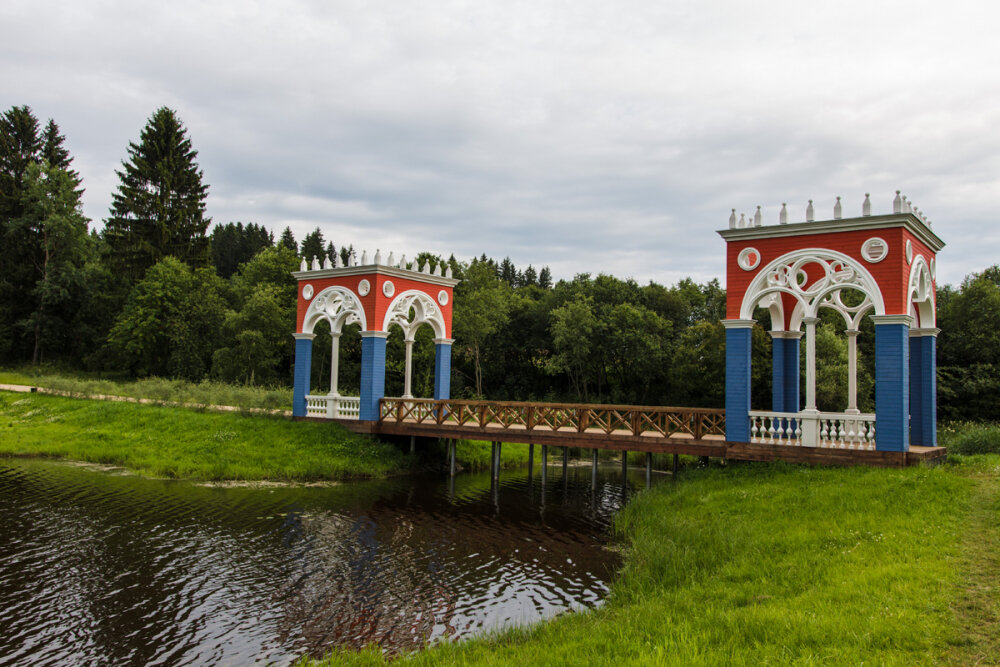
872, 222
893, 319
380, 269
738, 324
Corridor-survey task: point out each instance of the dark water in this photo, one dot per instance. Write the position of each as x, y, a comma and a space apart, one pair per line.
100, 568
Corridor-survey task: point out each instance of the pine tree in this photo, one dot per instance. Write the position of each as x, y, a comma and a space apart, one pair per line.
28, 155
545, 278
287, 240
159, 209
530, 277
331, 252
313, 244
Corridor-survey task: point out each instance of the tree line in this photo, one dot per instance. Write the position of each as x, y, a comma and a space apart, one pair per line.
154, 292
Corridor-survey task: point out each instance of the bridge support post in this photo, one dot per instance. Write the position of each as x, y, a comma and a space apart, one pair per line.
499, 453
649, 469
624, 468
442, 369
923, 387
303, 371
545, 463
531, 461
892, 382
738, 348
593, 470
372, 373
451, 453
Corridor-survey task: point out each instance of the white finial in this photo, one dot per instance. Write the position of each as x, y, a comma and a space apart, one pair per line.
402, 261
447, 273
303, 266
743, 221
392, 259
732, 219
427, 268
757, 218
364, 258
810, 214
783, 215
322, 262
378, 256
837, 210
866, 205
440, 269
334, 261
315, 264
897, 204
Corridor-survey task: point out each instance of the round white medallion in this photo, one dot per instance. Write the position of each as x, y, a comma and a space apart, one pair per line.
443, 298
307, 292
749, 259
364, 287
388, 288
874, 250
933, 268
909, 251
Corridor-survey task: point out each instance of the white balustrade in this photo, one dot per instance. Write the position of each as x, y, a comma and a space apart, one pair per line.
834, 430
333, 407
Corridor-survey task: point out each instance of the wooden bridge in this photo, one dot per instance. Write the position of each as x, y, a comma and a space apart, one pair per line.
626, 428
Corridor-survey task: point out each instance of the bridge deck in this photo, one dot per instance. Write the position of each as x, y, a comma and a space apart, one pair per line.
659, 430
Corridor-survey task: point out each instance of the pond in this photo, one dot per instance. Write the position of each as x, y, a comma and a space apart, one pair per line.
99, 567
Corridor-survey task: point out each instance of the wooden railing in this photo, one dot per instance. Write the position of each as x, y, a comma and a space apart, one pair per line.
693, 423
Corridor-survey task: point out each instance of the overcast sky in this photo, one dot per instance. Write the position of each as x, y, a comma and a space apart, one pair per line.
588, 136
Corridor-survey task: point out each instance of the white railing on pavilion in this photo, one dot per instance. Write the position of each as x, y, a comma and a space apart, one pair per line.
333, 407
835, 430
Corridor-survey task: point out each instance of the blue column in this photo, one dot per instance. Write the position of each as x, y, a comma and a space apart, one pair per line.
778, 371
372, 373
442, 369
792, 371
923, 392
738, 379
916, 423
303, 369
892, 383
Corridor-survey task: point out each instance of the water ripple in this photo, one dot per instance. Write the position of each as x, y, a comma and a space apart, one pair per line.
101, 568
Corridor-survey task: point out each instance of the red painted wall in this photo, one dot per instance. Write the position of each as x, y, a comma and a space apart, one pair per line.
891, 274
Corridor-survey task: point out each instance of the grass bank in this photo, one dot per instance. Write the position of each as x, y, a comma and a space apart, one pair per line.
156, 389
176, 442
777, 564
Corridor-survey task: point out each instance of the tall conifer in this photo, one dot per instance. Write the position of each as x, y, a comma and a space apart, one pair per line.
159, 209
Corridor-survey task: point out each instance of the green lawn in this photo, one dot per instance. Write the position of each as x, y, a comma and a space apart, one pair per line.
777, 564
184, 443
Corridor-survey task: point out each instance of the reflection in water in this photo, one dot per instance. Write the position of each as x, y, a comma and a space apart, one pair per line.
105, 568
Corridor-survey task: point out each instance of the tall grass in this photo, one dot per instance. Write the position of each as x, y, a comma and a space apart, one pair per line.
970, 437
177, 442
162, 390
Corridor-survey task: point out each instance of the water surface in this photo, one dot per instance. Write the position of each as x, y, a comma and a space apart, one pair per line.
106, 568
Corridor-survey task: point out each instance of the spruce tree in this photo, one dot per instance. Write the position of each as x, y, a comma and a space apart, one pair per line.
313, 245
27, 155
545, 278
159, 209
287, 240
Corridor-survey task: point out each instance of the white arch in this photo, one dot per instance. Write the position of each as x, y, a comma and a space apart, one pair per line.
425, 311
339, 306
786, 275
920, 293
